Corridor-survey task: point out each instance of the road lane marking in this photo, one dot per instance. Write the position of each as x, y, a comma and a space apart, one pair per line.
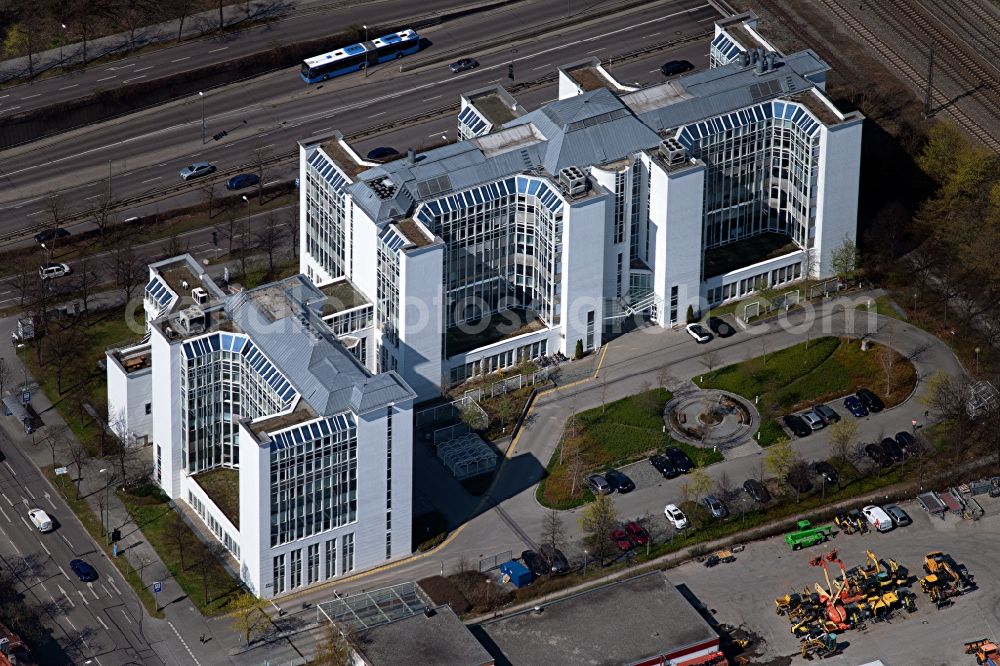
143, 69
25, 522
68, 544
50, 500
114, 585
107, 78
80, 592
150, 180
28, 488
271, 183
180, 59
431, 99
73, 605
92, 591
75, 85
63, 573
42, 585
223, 48
7, 498
9, 467
125, 613
184, 643
24, 502
102, 623
45, 548
5, 515
106, 589
535, 69
71, 624
380, 113
325, 129
31, 96
134, 78
11, 108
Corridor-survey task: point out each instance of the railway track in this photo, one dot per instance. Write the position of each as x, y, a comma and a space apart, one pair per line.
964, 70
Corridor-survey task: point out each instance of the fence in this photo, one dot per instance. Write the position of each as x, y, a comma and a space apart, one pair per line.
491, 562
450, 432
825, 288
450, 412
508, 385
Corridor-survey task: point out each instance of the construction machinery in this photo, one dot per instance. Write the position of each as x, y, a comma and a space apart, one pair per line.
851, 522
820, 644
806, 535
985, 650
943, 566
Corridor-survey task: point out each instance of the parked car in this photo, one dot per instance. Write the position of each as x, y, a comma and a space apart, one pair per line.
697, 332
720, 327
799, 480
463, 65
826, 413
855, 406
599, 485
239, 181
620, 539
53, 270
909, 443
756, 490
813, 420
40, 520
871, 401
637, 533
675, 516
83, 571
877, 518
382, 153
797, 425
878, 455
618, 481
893, 450
675, 67
196, 170
679, 459
715, 507
536, 563
663, 465
899, 517
45, 235
558, 564
827, 471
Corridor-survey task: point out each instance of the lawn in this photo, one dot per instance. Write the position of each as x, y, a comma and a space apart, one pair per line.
611, 436
816, 371
199, 569
884, 306
83, 382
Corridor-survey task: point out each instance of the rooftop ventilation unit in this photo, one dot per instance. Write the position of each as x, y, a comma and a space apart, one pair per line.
384, 188
191, 320
573, 180
672, 151
199, 295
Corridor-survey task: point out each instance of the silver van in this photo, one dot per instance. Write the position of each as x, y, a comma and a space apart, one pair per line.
53, 270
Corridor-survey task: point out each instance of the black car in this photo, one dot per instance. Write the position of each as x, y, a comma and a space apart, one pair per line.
826, 413
679, 459
715, 507
554, 558
909, 443
893, 449
536, 563
756, 490
720, 327
664, 466
827, 471
870, 400
676, 67
878, 455
798, 427
382, 153
241, 180
83, 571
46, 235
619, 481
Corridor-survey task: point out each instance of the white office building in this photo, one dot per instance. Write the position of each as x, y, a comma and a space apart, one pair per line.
539, 227
267, 424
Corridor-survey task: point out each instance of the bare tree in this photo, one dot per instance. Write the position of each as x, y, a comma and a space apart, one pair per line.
206, 566
261, 161
4, 375
798, 477
122, 443
78, 456
553, 530
179, 536
575, 463
270, 236
335, 648
887, 360
842, 436
724, 486
181, 9
598, 520
85, 282
55, 439
100, 214
209, 191
710, 360
129, 271
57, 343
26, 277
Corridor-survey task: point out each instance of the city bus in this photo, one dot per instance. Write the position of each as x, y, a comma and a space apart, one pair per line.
357, 56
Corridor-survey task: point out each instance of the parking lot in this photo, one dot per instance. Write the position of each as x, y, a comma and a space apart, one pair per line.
743, 592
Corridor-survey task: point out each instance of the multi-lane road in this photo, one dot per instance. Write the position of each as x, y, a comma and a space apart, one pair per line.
98, 621
143, 152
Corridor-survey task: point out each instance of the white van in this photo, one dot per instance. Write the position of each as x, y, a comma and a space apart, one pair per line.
40, 519
53, 270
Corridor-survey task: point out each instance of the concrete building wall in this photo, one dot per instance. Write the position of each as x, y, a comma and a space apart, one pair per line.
166, 391
837, 203
421, 320
583, 271
129, 394
255, 514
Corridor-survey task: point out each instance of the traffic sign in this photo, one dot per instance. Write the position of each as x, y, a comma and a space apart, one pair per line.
157, 586
25, 396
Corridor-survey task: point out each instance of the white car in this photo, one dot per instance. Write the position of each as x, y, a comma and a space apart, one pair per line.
878, 518
53, 270
40, 519
675, 516
698, 332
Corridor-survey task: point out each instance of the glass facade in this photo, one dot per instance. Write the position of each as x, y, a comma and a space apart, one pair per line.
314, 478
327, 228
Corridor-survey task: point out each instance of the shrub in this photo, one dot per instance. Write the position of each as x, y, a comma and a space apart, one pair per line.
443, 591
578, 352
690, 314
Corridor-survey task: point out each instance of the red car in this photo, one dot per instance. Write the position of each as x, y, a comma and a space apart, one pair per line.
621, 540
637, 533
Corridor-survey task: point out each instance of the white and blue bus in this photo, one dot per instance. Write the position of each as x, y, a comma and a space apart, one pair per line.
355, 57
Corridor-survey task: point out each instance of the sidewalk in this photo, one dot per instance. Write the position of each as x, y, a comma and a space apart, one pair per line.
196, 25
175, 639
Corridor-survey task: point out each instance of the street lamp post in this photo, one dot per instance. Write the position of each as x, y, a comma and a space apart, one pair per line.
585, 557
246, 237
201, 95
977, 360
62, 38
366, 52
